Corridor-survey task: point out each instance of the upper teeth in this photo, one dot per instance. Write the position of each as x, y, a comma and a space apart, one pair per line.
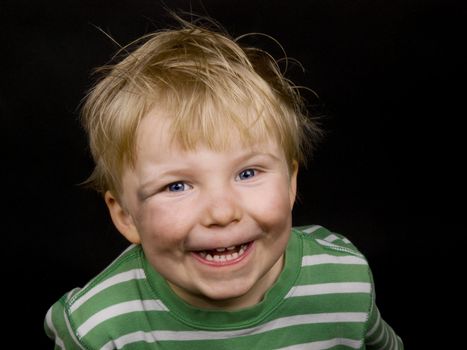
220, 250
224, 257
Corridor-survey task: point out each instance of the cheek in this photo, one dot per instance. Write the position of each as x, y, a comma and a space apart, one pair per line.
161, 226
272, 208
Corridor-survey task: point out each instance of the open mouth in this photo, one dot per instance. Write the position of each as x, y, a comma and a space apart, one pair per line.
224, 255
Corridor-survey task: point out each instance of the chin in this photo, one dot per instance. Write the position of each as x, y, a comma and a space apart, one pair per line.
224, 295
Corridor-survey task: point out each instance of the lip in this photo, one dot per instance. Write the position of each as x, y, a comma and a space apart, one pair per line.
235, 261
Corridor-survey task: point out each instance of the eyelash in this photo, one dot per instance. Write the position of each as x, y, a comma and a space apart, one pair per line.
252, 173
169, 186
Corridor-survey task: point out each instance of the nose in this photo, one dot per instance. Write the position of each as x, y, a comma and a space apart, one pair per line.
221, 207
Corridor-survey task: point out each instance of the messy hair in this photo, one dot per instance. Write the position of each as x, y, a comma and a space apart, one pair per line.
207, 85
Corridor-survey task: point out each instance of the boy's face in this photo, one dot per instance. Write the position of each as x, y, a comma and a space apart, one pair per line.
215, 224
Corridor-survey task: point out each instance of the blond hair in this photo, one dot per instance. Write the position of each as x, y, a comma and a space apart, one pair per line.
207, 85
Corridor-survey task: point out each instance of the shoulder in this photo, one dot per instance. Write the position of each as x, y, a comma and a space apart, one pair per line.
126, 267
320, 238
331, 258
80, 315
334, 276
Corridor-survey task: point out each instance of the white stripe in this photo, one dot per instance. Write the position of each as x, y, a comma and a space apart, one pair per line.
391, 344
319, 259
380, 337
326, 344
58, 340
151, 337
117, 310
119, 278
386, 335
329, 288
71, 331
337, 247
398, 340
390, 338
331, 238
72, 293
375, 326
312, 229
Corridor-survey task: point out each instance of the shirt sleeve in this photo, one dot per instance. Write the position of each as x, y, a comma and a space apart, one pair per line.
379, 334
58, 328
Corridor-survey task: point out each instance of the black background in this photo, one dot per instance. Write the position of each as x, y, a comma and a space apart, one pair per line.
390, 79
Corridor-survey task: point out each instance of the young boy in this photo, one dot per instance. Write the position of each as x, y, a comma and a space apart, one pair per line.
197, 143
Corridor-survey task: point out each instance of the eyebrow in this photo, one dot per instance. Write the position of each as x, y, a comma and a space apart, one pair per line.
251, 155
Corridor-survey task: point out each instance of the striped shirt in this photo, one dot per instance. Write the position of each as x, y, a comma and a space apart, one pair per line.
323, 299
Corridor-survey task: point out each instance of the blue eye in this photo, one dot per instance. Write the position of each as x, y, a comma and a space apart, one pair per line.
177, 187
247, 174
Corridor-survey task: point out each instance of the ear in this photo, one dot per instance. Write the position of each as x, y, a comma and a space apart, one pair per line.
293, 182
122, 219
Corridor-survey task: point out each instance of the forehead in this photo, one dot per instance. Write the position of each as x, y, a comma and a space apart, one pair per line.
158, 131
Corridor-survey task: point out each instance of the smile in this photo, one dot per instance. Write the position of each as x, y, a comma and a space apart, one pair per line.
224, 256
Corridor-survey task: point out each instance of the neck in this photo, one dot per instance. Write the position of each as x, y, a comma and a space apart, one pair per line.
252, 297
